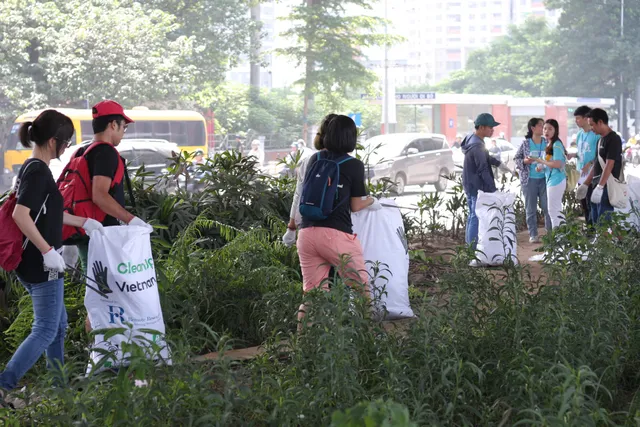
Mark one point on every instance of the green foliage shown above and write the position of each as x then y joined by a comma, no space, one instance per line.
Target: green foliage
378,413
584,55
510,65
487,347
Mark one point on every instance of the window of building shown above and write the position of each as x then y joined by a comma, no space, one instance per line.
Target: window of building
453,65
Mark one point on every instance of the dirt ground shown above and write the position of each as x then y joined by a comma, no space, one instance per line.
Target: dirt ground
439,247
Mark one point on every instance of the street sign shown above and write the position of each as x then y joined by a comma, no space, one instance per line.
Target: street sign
357,118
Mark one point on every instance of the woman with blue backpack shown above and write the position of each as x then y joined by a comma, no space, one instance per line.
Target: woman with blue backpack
334,186
295,219
39,215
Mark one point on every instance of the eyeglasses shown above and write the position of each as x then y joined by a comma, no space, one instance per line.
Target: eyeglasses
125,128
68,143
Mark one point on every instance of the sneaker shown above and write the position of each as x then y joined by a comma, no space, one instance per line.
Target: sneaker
534,239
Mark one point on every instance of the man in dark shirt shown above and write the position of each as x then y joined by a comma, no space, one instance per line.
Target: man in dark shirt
109,125
610,152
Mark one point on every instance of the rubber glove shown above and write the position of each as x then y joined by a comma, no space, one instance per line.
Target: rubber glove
376,206
581,192
596,196
289,237
504,168
92,225
53,261
140,223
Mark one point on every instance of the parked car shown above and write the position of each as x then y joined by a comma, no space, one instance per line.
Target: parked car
154,154
409,159
507,154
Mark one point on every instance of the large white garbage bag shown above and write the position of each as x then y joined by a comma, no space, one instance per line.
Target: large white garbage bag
497,239
384,241
122,262
632,211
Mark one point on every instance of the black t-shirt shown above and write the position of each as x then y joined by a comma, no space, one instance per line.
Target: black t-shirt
610,149
353,185
103,161
35,184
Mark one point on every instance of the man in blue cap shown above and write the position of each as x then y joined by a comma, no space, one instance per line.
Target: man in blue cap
477,173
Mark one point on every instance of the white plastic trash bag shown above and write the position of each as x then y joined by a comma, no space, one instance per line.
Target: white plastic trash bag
70,255
497,239
384,242
121,262
632,211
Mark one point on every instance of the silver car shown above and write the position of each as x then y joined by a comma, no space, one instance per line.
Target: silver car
409,159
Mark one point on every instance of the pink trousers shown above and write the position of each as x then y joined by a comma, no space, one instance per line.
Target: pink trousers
321,248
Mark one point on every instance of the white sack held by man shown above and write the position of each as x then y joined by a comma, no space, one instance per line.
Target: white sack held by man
497,239
384,245
632,210
121,263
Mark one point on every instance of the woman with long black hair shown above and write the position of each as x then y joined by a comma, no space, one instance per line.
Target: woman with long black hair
39,215
556,178
532,180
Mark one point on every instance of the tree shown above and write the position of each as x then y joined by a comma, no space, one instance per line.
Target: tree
515,64
593,55
328,43
220,31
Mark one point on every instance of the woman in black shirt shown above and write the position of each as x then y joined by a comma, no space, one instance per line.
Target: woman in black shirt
322,244
39,215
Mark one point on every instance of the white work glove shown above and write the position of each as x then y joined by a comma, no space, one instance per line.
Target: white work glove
596,196
140,223
504,168
53,261
289,237
375,206
581,192
92,225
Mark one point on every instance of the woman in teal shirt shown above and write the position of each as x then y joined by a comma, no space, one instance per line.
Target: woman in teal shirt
553,165
533,182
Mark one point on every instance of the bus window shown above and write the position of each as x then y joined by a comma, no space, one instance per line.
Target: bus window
13,142
86,130
183,133
195,134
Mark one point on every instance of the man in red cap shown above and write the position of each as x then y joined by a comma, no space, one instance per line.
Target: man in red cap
109,125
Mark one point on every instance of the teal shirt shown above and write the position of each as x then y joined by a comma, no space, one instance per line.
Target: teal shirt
587,146
556,176
536,150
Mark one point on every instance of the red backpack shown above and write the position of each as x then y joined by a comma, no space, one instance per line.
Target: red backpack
76,188
12,241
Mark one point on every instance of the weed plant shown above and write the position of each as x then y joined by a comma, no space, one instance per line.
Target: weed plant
489,347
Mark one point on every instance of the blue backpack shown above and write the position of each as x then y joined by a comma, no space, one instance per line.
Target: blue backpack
320,188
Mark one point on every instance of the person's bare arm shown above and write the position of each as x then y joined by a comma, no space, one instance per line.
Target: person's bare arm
360,203
589,178
72,220
21,216
109,205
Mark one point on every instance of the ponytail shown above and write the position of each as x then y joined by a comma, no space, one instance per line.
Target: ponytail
532,123
25,134
49,124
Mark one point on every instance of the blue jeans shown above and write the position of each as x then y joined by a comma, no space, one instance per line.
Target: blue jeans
534,191
471,234
602,211
47,332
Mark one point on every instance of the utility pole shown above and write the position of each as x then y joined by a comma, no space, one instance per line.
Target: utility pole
254,60
386,71
622,111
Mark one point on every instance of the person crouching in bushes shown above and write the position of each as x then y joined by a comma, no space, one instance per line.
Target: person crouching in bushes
553,164
326,243
39,215
294,217
532,180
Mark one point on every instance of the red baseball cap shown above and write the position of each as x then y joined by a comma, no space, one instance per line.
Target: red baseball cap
109,108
